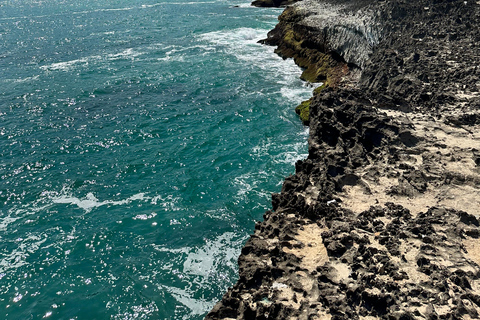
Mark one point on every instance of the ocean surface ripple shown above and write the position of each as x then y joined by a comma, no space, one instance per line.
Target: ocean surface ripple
139,143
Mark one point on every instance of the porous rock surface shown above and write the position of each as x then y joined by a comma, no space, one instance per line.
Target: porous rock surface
381,221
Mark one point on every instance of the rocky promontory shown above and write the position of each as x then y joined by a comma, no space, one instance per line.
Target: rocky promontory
381,221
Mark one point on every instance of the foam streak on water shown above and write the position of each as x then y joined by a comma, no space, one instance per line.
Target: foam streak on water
139,144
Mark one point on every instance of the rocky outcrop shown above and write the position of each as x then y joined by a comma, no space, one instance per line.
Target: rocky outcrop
330,40
381,220
324,37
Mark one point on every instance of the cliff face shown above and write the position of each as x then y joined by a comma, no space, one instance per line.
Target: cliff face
346,31
381,220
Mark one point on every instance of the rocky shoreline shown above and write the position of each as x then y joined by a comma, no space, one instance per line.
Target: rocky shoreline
381,220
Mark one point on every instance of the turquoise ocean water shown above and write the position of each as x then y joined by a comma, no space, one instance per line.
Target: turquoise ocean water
139,143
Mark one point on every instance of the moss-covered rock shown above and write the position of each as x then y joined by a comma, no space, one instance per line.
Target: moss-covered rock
303,110
319,89
331,48
293,40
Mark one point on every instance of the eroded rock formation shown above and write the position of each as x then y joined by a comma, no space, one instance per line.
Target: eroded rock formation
381,220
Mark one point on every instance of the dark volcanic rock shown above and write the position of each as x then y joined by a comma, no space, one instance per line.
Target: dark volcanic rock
272,3
381,220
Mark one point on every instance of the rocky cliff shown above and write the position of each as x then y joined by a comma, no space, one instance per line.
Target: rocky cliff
381,221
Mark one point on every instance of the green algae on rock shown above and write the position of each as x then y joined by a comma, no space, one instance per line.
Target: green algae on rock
292,41
319,89
303,110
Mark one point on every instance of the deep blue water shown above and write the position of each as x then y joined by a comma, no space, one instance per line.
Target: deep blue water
139,143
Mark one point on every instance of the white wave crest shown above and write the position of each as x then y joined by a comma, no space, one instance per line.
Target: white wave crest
17,257
251,185
202,268
66,65
230,38
296,94
129,53
138,312
205,260
242,43
90,201
27,79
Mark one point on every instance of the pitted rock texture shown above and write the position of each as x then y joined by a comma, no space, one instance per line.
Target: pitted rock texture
381,221
382,264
